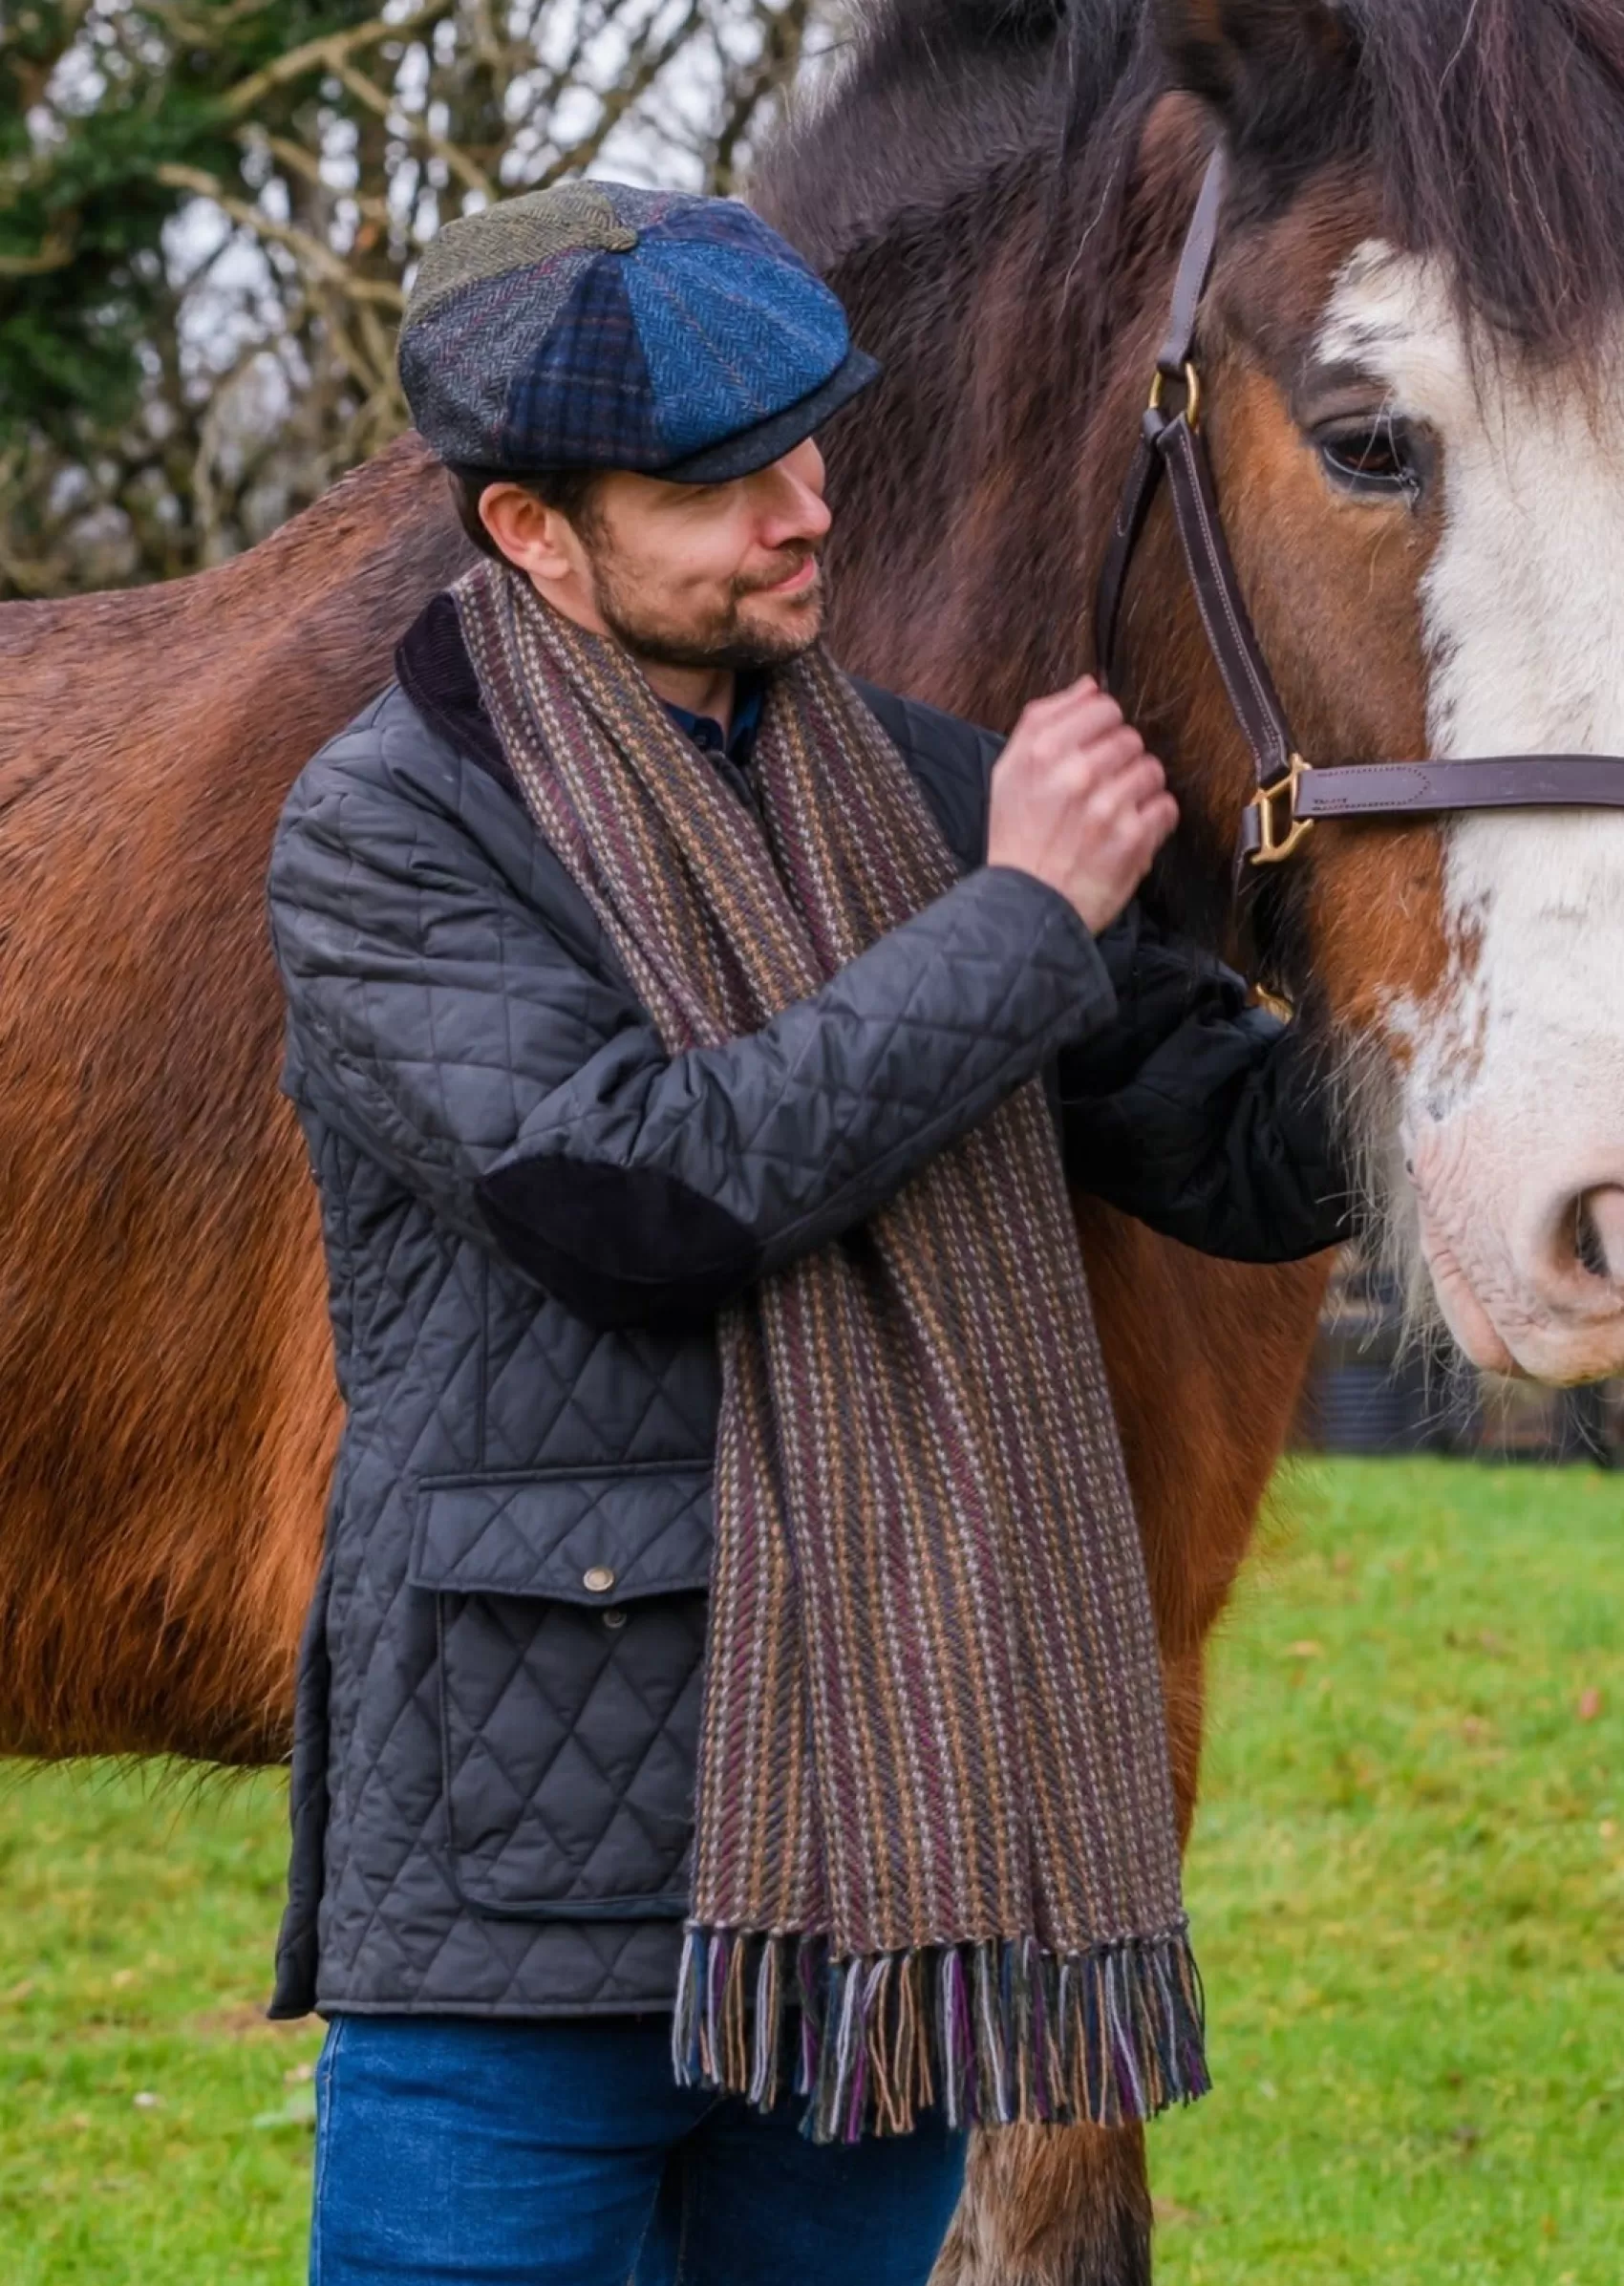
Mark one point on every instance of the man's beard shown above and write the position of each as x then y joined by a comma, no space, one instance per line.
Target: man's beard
727,642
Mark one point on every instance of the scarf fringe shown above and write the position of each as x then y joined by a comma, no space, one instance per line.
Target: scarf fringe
994,2033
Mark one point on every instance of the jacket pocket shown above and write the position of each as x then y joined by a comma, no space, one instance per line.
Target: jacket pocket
572,1637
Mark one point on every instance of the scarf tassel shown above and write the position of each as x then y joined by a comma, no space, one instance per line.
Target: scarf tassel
993,2033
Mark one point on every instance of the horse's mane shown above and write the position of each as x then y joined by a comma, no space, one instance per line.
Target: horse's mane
932,96
1494,129
943,114
963,179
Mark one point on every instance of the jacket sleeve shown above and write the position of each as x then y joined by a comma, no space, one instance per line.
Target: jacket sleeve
439,1020
1201,1115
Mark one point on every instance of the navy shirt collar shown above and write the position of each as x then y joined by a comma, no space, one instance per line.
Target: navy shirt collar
738,742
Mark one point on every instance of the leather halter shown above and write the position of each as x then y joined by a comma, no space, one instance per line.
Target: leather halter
1291,795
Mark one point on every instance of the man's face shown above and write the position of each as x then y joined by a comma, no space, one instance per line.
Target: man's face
710,575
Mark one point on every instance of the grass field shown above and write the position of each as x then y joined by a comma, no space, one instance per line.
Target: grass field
1407,1888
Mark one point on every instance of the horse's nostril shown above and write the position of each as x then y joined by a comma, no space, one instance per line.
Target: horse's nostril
1599,1232
1587,1240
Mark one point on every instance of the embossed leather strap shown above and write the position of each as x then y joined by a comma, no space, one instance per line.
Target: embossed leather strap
1424,789
1145,474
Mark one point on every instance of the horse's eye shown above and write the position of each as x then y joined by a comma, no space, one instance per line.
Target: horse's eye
1379,457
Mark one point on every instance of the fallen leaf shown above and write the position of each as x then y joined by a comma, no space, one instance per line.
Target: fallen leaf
298,2076
299,2111
146,2101
1169,2214
1590,1705
1305,1651
247,2020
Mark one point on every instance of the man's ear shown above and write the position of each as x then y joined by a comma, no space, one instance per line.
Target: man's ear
532,536
1264,66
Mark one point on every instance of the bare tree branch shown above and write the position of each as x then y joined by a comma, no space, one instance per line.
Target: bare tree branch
415,130
328,52
321,261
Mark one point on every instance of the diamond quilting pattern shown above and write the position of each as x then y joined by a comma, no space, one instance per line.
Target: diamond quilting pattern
563,1739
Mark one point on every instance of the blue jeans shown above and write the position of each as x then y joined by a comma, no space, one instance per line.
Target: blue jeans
451,2149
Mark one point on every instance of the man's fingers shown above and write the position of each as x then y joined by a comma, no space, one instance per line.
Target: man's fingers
1135,832
1082,711
1077,694
1056,703
1077,743
1155,818
1160,819
1118,780
1140,783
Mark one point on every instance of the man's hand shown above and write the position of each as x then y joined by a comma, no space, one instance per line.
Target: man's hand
1078,801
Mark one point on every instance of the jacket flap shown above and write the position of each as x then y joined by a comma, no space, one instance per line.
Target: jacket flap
577,1538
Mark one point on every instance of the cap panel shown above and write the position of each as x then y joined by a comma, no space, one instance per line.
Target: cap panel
740,455
458,363
730,336
689,220
587,399
515,235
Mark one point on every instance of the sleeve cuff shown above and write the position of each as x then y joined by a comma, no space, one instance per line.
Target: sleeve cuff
1065,942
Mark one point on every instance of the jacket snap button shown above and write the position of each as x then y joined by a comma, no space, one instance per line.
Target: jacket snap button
614,1618
599,1580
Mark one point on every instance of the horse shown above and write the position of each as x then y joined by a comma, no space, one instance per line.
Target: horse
1400,358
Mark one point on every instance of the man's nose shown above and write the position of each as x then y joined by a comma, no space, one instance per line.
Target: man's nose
803,514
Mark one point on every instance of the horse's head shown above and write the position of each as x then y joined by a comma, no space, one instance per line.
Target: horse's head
1410,351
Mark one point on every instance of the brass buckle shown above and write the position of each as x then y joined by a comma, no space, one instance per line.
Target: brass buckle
1280,837
1192,393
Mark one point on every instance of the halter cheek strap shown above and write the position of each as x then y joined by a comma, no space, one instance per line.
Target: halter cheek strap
1291,795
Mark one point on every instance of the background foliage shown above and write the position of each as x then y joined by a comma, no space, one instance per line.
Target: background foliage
1408,1887
210,210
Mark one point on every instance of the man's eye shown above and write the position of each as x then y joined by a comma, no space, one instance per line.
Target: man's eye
1379,457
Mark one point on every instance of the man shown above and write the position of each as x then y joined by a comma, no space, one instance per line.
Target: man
684,1040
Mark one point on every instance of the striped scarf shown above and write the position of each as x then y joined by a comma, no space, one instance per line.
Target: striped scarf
935,1858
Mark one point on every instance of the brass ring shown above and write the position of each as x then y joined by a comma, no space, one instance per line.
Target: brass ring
1192,393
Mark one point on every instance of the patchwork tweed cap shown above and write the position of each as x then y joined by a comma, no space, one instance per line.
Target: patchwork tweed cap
601,326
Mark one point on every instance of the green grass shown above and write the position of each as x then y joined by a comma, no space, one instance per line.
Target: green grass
1408,1892
135,1934
1408,1887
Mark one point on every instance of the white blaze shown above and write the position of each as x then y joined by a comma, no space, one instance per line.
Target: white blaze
1512,1108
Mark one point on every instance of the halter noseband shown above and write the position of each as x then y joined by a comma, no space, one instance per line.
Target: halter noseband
1291,794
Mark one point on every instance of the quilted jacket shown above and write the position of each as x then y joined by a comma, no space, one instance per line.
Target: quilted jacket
531,1216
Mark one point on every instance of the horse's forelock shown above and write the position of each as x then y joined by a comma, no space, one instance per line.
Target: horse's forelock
1497,132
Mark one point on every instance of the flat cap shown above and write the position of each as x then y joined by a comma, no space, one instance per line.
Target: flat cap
602,326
